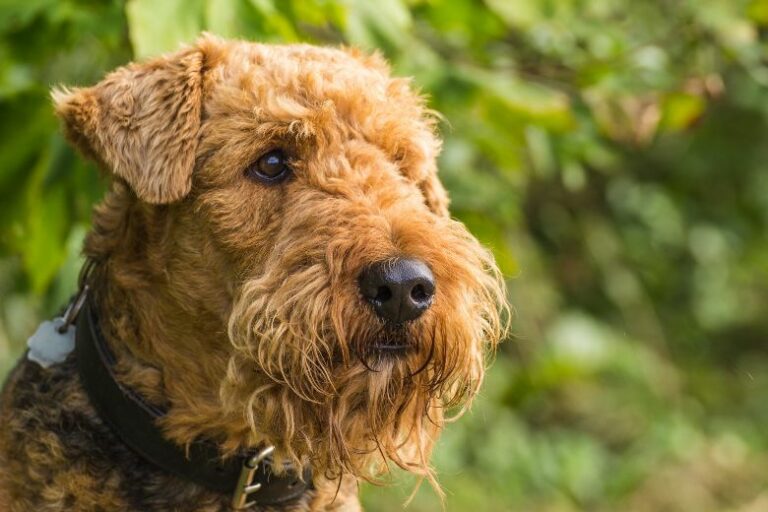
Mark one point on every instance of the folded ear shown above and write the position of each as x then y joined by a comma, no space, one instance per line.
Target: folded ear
141,123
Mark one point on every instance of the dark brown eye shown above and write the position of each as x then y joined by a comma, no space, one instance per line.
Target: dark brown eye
271,167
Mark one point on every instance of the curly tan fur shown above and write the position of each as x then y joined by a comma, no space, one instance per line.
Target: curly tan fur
235,304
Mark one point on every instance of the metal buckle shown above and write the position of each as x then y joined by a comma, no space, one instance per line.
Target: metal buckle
244,486
70,315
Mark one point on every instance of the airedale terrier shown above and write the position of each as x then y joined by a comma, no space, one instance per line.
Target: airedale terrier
276,303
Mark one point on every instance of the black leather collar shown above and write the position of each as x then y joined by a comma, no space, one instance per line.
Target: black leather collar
247,477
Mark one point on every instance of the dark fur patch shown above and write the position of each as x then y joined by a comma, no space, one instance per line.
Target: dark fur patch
60,456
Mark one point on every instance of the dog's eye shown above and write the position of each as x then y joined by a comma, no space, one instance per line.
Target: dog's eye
271,167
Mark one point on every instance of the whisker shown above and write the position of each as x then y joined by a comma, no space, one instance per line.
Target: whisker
429,357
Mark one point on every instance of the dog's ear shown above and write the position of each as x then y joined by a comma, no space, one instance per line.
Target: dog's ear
141,123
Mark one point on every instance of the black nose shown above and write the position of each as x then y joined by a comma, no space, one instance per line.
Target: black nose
399,290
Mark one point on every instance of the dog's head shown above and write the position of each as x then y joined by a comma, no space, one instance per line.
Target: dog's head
298,200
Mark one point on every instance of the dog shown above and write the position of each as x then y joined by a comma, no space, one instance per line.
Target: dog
275,293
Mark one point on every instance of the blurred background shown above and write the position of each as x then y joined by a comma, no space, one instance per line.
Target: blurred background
613,153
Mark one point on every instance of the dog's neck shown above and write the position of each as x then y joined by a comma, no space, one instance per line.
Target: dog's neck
171,344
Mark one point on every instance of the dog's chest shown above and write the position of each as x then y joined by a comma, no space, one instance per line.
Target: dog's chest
56,454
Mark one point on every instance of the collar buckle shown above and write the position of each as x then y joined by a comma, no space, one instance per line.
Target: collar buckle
245,487
73,310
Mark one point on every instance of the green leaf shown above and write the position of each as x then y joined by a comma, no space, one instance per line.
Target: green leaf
535,102
681,110
159,27
222,17
15,14
371,24
41,242
274,20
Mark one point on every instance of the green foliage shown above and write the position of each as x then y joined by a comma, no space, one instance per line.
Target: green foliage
612,154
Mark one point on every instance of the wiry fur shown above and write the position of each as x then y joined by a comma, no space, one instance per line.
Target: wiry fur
236,304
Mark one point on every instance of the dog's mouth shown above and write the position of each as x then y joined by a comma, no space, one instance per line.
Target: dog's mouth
391,340
386,342
393,349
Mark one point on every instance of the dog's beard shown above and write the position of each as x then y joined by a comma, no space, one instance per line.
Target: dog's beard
312,382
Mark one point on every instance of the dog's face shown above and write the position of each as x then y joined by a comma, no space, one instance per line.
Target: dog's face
302,200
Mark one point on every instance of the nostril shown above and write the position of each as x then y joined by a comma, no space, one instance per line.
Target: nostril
383,294
419,294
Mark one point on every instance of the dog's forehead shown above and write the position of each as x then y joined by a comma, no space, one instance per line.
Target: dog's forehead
316,73
321,88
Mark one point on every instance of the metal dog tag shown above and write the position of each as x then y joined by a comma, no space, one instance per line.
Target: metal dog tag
50,346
